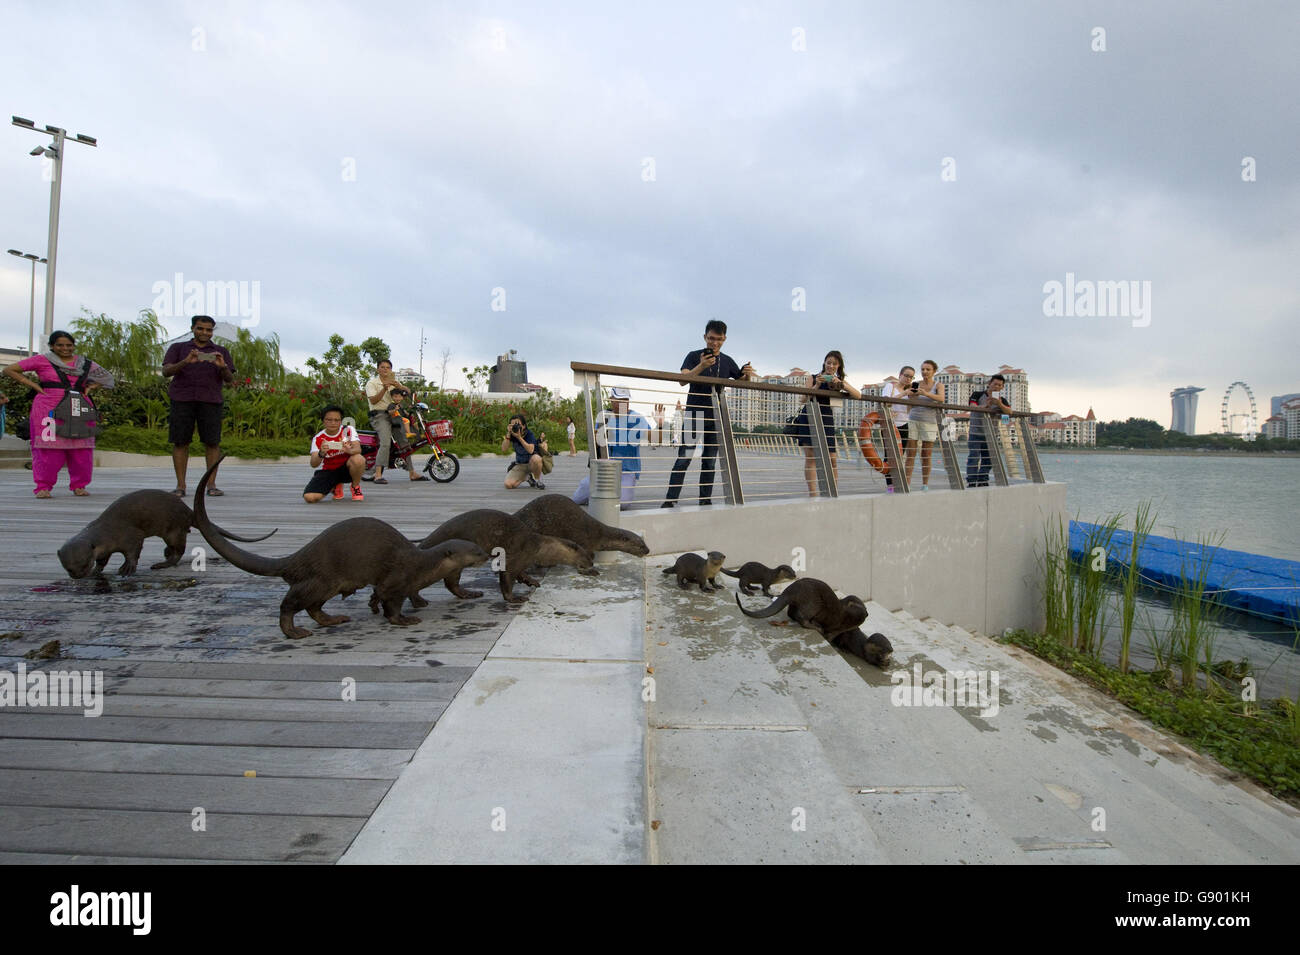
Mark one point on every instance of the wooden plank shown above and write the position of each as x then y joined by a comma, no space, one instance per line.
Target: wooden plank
313,710
214,732
280,761
76,858
279,690
118,832
282,672
216,794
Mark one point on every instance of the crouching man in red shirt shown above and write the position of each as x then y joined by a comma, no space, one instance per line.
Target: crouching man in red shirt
336,452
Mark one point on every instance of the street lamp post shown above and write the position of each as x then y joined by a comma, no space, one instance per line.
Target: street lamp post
31,312
53,151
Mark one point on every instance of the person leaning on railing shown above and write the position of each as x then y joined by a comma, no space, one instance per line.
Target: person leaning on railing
923,423
899,415
708,362
831,379
978,462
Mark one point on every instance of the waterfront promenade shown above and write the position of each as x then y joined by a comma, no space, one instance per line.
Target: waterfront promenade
532,735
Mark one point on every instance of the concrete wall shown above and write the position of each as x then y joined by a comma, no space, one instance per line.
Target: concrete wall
965,558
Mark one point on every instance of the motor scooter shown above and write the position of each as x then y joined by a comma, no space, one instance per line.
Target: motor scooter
442,466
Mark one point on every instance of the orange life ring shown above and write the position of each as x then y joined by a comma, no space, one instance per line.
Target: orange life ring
865,445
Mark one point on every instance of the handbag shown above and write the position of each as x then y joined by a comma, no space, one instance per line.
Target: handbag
75,416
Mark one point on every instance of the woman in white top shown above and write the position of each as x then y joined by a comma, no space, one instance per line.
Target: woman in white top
573,431
923,422
900,389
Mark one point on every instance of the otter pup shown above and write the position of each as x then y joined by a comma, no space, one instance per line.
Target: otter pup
349,555
874,649
812,603
692,568
506,537
122,529
755,574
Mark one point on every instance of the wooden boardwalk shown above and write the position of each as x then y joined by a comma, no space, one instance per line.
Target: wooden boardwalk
220,740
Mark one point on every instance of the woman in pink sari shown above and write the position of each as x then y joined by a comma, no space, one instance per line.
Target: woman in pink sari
49,451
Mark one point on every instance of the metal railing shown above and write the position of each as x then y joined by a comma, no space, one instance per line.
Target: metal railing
757,440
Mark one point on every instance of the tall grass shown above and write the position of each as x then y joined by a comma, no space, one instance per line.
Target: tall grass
1074,591
1194,615
1143,522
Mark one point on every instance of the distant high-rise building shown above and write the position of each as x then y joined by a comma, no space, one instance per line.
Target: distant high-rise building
1277,401
1184,401
508,374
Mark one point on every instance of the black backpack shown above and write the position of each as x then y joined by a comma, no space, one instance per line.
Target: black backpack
75,416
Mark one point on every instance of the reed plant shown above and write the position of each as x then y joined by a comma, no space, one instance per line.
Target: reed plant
1194,612
1143,521
1092,588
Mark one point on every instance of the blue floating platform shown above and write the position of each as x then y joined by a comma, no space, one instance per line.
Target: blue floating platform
1248,583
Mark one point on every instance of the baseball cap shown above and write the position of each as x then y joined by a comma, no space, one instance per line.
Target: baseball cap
620,394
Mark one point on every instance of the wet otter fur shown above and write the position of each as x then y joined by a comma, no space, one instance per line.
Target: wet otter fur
875,649
122,529
755,574
521,546
694,569
347,556
812,603
558,516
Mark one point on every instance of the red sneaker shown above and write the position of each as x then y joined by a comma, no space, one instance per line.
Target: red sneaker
356,492
338,492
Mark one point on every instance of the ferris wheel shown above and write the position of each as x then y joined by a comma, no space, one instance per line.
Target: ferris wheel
1249,426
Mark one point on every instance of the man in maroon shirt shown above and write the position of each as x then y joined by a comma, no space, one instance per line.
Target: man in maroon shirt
198,370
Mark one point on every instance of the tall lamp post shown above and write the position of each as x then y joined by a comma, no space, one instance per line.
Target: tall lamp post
53,151
31,313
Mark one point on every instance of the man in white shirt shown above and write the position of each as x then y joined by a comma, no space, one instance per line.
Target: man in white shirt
900,389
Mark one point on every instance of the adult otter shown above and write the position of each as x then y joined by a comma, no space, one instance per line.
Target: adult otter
812,603
349,555
506,537
692,568
558,516
122,529
754,573
874,649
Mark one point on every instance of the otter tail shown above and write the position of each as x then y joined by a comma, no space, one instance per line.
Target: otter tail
244,560
730,573
247,540
776,606
670,570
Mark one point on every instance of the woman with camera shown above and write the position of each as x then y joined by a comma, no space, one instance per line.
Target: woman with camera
831,378
923,422
527,465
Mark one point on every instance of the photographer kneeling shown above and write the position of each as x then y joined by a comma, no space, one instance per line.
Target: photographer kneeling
528,460
336,451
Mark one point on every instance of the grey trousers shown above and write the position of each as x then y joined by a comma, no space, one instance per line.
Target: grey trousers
389,430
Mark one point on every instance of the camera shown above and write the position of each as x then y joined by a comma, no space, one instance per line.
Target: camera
916,386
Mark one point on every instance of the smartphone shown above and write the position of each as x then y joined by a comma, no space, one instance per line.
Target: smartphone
207,356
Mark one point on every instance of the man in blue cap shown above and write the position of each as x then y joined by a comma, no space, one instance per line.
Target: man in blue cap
619,437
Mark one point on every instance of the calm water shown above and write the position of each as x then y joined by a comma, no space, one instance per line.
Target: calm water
1252,501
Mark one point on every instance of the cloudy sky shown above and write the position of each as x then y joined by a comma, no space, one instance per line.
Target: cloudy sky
615,174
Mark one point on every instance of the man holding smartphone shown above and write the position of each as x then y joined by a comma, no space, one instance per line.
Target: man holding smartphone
978,461
699,423
198,369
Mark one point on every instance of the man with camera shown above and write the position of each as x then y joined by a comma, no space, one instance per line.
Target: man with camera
528,458
383,393
198,369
